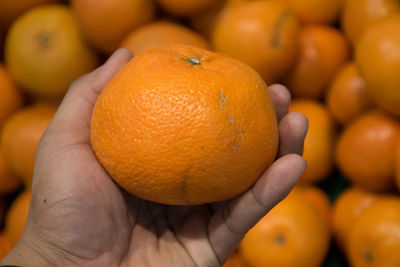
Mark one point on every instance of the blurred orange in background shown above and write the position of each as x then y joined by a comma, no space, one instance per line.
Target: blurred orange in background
366,151
316,11
318,199
323,51
375,236
44,51
319,142
348,207
358,14
204,22
291,234
16,218
9,182
11,9
378,58
20,137
10,97
263,34
105,23
187,8
347,96
4,247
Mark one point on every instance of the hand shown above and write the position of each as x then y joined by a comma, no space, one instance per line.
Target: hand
80,217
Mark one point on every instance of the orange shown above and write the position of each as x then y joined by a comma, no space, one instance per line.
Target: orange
323,51
161,33
319,142
44,51
291,234
10,10
187,8
263,34
106,22
16,218
347,209
20,136
10,97
4,247
366,149
318,199
375,238
8,181
316,11
182,125
347,96
378,57
359,14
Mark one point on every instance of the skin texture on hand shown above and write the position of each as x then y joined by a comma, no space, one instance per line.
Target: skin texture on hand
80,217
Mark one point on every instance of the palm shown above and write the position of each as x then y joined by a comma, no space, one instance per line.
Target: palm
110,225
78,211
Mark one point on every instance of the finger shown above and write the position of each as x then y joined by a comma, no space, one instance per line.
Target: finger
281,98
76,108
292,131
228,226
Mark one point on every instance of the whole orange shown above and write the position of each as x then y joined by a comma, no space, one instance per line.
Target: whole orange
161,33
347,96
291,234
8,181
182,125
378,58
10,10
316,11
44,51
318,199
366,151
375,238
263,34
319,142
347,208
16,218
323,51
187,8
106,22
20,136
359,14
10,97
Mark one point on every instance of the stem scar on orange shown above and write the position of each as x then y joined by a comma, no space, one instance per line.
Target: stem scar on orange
182,125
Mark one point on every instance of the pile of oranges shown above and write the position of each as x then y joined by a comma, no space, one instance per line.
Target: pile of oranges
340,59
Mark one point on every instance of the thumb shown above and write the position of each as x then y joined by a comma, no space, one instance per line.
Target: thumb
73,116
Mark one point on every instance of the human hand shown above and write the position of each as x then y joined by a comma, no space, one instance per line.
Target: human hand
80,217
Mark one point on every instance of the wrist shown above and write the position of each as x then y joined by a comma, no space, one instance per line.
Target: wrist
30,252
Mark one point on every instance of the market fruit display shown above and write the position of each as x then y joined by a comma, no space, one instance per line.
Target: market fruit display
189,119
